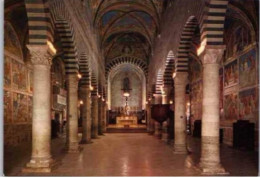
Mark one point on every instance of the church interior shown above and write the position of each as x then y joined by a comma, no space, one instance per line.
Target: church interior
131,87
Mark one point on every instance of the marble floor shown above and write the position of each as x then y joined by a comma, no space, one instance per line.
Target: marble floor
132,154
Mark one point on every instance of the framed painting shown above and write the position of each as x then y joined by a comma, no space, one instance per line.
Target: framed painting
247,69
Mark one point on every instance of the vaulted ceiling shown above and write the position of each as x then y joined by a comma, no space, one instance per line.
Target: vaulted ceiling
126,27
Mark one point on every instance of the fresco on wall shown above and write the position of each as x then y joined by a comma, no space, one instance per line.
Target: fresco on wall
221,88
30,81
30,107
7,72
248,104
242,39
7,107
195,69
196,100
247,69
19,107
11,41
231,74
19,76
231,106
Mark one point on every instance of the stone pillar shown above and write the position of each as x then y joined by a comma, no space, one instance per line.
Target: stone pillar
41,160
148,117
86,116
210,155
157,125
104,119
166,100
100,116
72,144
94,112
180,143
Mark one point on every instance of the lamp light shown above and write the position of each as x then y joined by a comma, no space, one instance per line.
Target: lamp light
81,102
126,94
171,102
79,76
174,75
51,47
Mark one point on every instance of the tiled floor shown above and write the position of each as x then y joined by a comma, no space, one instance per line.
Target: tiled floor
134,154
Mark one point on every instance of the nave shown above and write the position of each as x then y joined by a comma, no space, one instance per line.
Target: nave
134,154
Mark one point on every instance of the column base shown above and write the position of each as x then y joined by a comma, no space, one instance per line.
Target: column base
212,170
165,137
40,166
94,137
85,142
73,149
180,149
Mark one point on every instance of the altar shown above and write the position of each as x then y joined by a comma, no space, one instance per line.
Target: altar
126,120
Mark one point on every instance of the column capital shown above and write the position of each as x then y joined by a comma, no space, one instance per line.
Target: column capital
181,78
212,54
40,55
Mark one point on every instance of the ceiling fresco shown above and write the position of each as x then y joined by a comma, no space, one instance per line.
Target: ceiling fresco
126,27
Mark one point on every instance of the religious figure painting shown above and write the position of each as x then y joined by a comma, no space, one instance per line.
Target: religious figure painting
19,76
231,106
248,104
247,69
7,107
231,74
20,112
7,72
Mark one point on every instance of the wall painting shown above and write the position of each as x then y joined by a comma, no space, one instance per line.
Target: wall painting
30,80
30,108
20,107
247,69
231,106
248,104
7,107
196,100
7,72
19,76
231,74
